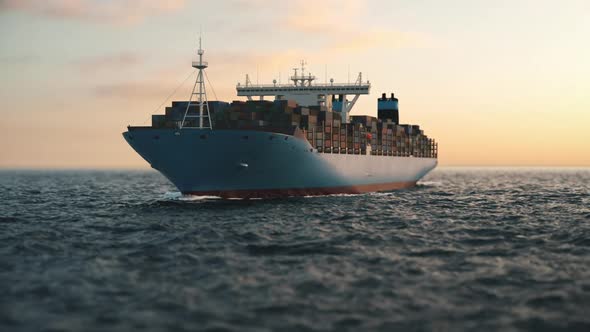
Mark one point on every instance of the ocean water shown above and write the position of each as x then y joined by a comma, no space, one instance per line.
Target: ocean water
466,250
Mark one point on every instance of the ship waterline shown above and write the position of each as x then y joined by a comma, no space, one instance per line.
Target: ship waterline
291,192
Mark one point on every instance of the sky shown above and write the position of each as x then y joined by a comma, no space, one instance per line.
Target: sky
496,83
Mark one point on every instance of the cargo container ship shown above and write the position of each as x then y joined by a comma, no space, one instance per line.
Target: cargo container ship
302,142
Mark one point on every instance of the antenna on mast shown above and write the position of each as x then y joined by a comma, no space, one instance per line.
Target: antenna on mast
302,67
348,74
201,93
294,78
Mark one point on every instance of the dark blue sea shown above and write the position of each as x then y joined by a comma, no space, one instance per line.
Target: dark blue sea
504,249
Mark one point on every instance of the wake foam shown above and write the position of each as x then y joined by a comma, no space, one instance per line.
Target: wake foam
178,196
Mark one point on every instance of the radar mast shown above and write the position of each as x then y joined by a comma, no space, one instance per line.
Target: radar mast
200,93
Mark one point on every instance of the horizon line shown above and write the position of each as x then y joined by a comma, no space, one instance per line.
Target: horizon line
140,168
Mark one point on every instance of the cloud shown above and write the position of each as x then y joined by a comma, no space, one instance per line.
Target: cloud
227,68
385,39
154,85
18,59
244,59
108,62
338,23
101,11
131,90
330,18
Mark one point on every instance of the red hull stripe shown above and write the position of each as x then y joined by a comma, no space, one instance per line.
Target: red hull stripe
271,193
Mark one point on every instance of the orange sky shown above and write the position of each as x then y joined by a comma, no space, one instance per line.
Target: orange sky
502,83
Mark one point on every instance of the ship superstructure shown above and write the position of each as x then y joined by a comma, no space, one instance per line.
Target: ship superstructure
301,142
306,92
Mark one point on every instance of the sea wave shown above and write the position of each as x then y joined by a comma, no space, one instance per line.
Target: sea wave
482,249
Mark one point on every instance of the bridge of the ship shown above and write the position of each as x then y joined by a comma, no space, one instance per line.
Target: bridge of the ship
281,89
306,92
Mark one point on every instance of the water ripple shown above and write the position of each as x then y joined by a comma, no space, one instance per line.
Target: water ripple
467,249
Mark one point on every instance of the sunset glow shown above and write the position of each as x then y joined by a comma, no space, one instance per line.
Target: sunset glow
496,83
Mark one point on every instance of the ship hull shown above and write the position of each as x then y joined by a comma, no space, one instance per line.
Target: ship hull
251,164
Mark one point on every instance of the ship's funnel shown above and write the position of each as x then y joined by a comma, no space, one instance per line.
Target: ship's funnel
388,109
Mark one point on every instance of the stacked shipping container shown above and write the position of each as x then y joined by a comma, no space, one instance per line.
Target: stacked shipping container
324,129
